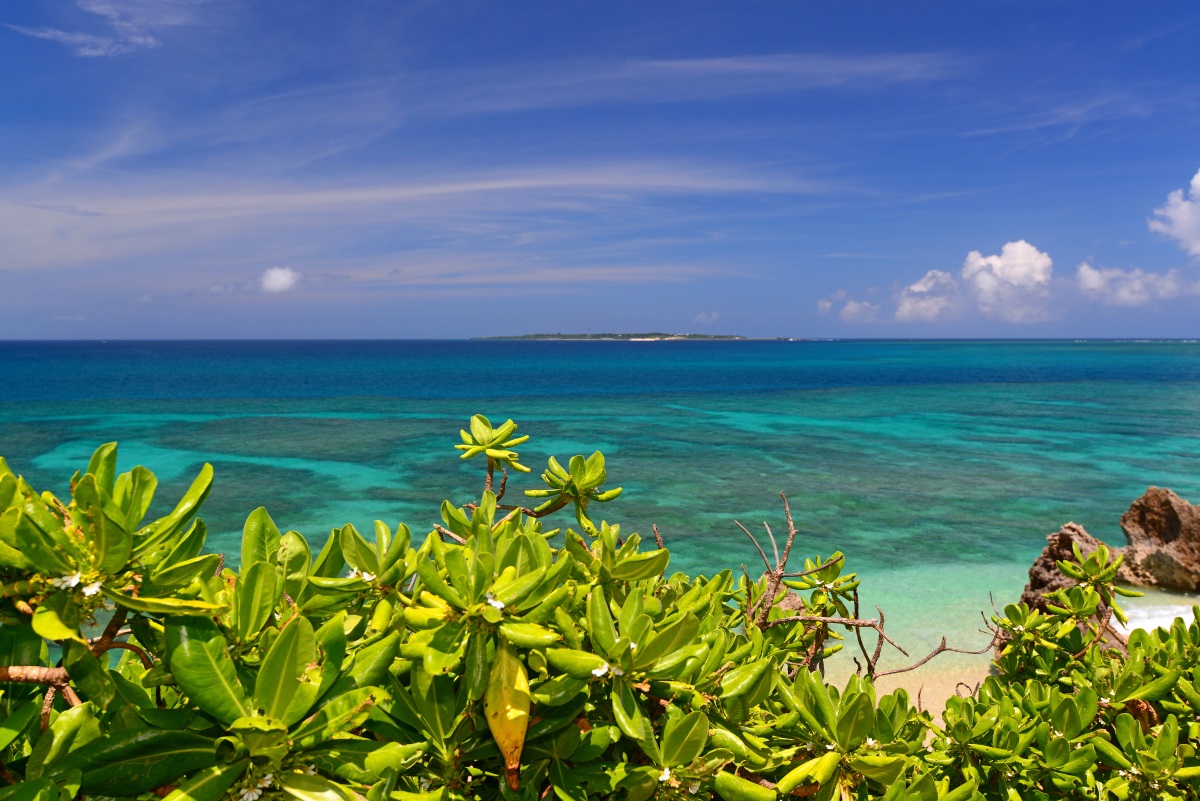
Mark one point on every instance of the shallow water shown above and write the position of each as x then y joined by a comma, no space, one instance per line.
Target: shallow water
937,467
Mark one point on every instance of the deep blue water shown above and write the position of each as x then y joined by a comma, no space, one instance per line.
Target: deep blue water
938,467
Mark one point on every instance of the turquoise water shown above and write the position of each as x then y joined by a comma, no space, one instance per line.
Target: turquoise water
938,467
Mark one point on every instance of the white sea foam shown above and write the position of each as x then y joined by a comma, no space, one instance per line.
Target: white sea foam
1155,615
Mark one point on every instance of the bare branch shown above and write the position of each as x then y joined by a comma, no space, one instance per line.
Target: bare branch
941,649
761,552
503,483
791,538
445,532
816,569
658,537
878,643
774,545
848,622
861,646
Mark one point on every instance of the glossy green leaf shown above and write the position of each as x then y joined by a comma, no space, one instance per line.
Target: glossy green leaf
133,761
162,606
15,724
294,558
31,790
283,667
260,539
58,619
110,543
255,598
210,784
74,729
89,677
684,738
643,566
627,712
345,712
198,657
313,788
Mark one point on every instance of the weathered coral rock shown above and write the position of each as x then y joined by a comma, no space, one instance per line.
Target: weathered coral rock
1163,531
1044,575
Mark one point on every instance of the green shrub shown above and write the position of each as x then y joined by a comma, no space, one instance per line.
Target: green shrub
498,658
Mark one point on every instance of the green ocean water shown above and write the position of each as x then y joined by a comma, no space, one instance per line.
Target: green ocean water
938,468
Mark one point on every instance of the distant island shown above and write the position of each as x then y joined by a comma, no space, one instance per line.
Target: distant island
647,337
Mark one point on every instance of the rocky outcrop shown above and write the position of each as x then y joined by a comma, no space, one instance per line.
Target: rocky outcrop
1044,575
1163,535
1163,531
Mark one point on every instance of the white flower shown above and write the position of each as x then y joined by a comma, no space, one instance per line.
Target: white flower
665,775
250,794
368,576
493,602
694,788
870,743
91,589
353,573
617,671
600,671
311,770
265,781
66,582
425,784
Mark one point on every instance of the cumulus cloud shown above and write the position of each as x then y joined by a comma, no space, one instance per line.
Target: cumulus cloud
859,312
1012,285
279,279
1135,287
851,311
1179,217
936,293
706,318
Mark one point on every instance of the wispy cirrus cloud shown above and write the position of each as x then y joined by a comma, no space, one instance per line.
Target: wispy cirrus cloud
676,80
126,26
541,225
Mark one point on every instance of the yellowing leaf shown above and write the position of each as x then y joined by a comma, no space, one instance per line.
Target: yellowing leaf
506,705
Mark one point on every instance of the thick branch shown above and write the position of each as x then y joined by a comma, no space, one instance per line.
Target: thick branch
110,631
28,674
147,662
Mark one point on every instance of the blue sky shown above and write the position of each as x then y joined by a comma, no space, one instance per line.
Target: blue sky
238,168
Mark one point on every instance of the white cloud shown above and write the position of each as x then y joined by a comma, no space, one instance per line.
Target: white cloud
1179,218
707,318
824,306
859,312
279,279
1013,285
936,293
1135,287
130,26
